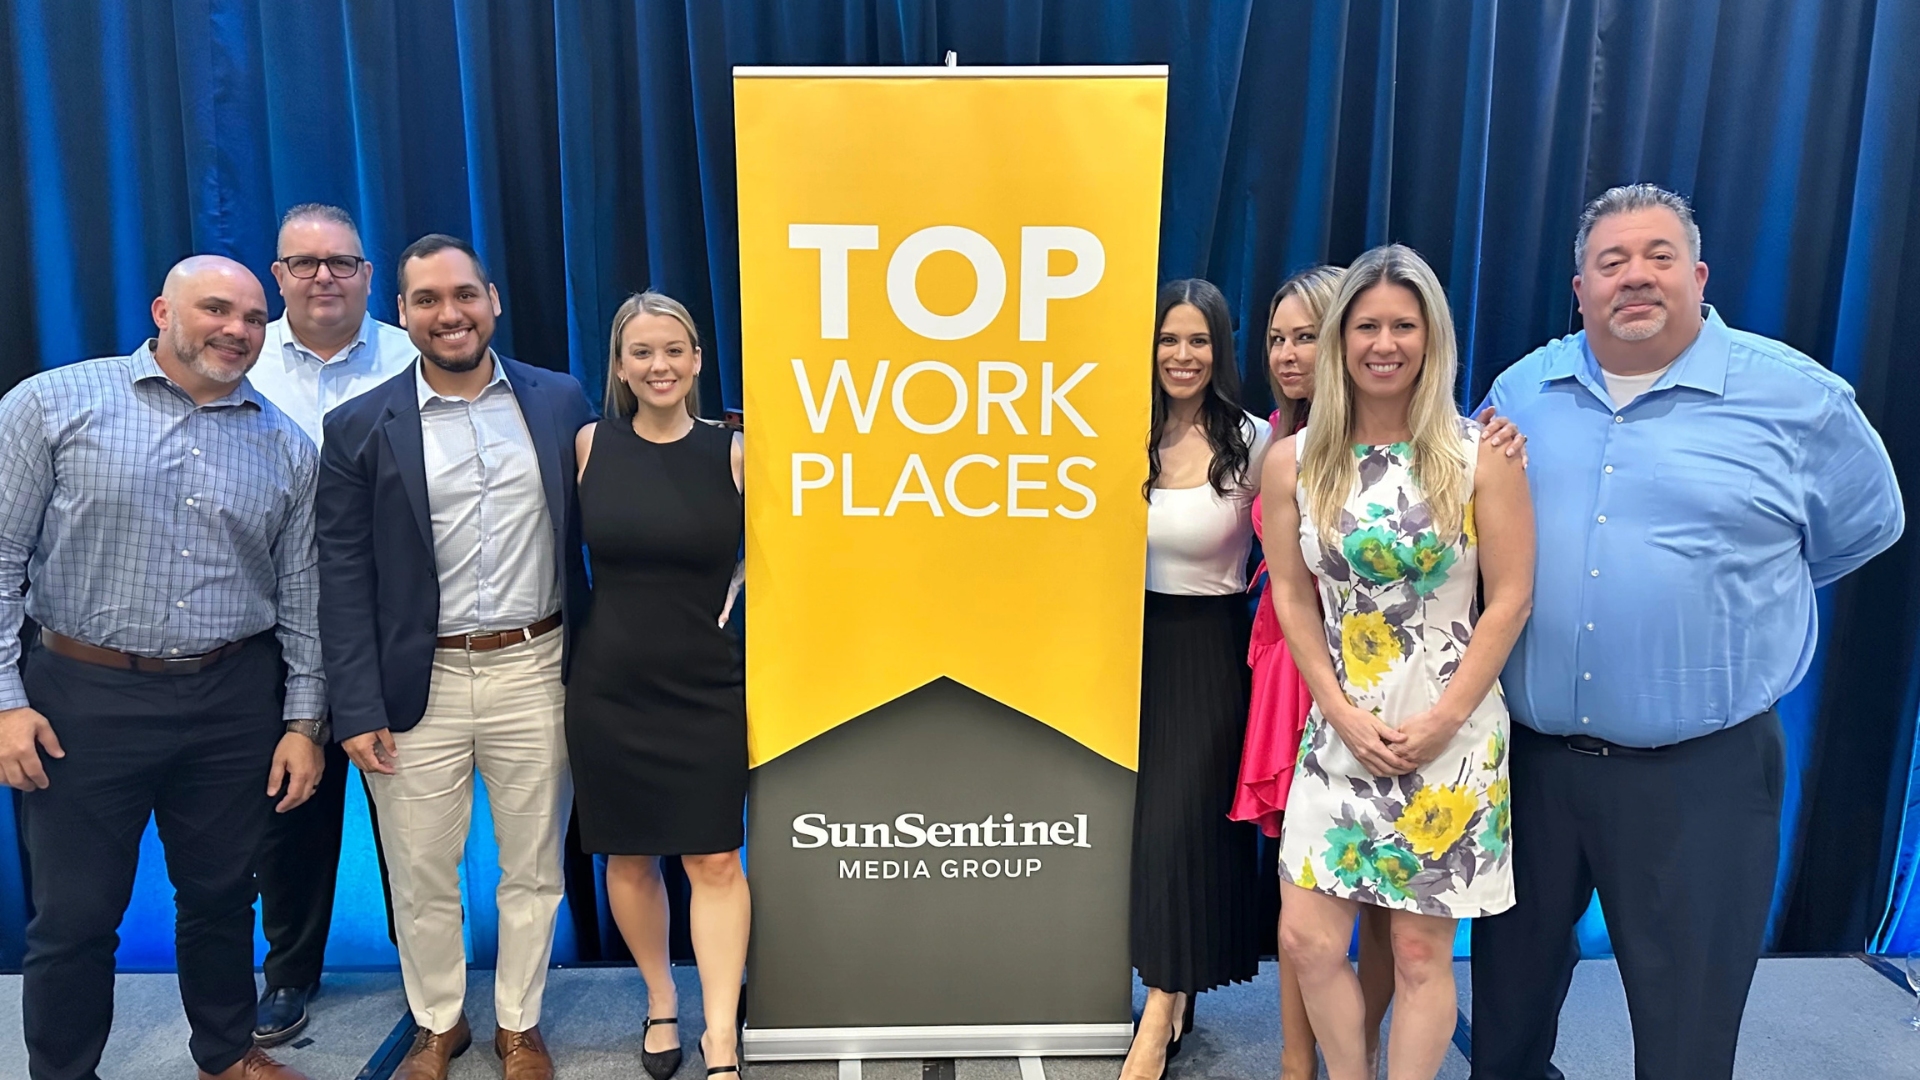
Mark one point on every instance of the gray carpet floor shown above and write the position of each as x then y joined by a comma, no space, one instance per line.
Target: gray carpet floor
1805,1018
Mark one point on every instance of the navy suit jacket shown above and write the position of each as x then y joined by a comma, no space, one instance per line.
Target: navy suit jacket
379,585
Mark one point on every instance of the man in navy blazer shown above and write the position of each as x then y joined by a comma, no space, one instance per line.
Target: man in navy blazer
450,574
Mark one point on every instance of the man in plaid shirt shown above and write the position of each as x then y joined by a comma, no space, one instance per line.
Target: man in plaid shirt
163,511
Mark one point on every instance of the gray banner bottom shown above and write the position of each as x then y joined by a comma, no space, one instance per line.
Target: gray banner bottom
940,876
969,1040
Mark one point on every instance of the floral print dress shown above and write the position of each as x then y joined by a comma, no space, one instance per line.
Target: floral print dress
1400,603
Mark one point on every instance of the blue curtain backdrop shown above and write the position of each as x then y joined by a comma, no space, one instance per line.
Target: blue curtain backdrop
587,148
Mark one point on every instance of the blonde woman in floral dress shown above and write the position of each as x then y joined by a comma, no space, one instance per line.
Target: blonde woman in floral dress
1399,799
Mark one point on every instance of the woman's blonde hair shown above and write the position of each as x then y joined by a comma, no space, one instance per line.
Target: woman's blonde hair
619,399
1329,471
1316,286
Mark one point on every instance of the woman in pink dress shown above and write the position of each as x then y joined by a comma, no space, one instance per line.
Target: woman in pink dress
1280,700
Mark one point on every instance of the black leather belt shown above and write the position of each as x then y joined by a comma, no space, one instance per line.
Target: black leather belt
1587,744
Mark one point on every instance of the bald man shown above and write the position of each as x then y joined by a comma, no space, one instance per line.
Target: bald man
164,512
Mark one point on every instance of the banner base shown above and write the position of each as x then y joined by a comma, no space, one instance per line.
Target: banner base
944,1041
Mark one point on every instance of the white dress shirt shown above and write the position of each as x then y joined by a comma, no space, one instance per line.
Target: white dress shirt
306,387
1198,540
492,538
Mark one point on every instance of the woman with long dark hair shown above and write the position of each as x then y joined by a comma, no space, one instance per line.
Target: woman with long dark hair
1194,893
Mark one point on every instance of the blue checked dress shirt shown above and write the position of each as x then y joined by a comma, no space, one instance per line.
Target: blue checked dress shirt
1680,538
155,526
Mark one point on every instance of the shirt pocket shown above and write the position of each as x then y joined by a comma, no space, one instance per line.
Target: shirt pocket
1697,510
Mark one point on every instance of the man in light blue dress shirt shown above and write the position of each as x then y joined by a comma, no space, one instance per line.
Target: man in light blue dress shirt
1693,485
325,350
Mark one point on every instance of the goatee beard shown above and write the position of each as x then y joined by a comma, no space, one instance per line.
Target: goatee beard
1639,331
195,359
456,366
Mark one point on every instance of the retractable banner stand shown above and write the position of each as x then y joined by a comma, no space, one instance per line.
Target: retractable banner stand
947,284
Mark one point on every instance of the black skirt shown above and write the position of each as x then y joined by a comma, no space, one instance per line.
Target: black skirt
1195,879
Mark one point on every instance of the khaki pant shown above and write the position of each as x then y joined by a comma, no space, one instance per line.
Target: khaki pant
501,712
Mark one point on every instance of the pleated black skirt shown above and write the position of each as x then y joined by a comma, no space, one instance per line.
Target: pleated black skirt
1195,879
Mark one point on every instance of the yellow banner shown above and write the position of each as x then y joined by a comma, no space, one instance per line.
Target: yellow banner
947,286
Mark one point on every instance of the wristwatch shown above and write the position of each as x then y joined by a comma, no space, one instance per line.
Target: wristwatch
318,730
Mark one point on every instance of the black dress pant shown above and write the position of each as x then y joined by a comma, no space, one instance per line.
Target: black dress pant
297,867
1682,844
191,751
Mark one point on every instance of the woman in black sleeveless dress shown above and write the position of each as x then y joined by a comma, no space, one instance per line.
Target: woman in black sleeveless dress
656,706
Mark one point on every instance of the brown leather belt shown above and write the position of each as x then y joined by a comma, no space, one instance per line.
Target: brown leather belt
75,649
489,640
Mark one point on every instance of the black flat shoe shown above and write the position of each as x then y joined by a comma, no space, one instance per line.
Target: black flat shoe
719,1070
664,1064
281,1014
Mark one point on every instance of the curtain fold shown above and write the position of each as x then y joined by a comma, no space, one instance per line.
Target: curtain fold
586,147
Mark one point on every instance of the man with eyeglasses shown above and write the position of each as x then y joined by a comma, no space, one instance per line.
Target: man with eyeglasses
326,349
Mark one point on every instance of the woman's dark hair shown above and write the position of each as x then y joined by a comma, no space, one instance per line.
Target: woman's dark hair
1220,412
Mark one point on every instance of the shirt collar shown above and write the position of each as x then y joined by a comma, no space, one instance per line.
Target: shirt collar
280,335
1702,365
427,394
142,367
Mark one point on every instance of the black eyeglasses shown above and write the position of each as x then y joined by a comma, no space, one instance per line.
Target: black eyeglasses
306,266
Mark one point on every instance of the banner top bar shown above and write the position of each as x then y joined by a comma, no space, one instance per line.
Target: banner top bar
1032,71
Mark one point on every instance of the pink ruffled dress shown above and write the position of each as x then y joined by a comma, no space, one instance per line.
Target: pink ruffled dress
1278,713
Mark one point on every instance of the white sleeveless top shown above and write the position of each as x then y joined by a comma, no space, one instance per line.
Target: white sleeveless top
1197,539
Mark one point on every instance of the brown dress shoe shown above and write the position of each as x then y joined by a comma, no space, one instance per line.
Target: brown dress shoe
427,1058
255,1066
523,1054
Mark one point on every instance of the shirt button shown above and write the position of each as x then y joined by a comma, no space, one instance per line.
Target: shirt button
184,553
1602,519
1595,573
196,453
1619,419
189,502
175,652
179,603
1587,675
1584,720
1589,626
1609,468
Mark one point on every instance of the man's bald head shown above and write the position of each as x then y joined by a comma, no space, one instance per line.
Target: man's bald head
200,272
212,316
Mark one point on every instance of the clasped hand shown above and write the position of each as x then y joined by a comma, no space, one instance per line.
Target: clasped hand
1388,751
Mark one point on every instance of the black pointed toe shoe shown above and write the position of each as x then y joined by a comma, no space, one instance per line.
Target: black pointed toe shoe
664,1064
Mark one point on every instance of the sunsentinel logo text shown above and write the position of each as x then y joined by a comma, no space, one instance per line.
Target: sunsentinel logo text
912,831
